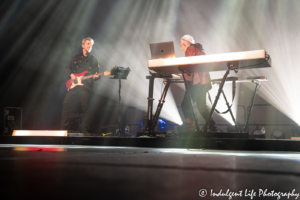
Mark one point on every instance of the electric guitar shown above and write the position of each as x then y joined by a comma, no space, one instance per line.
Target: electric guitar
79,77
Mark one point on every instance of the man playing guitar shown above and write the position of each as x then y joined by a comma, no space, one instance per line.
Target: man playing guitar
80,64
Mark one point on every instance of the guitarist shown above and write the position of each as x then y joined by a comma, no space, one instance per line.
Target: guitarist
80,95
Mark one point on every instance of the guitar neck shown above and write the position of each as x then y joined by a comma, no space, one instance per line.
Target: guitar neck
91,76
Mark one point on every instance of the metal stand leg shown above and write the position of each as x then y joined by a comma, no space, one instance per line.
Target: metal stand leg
190,97
236,126
204,128
119,117
251,106
150,103
159,106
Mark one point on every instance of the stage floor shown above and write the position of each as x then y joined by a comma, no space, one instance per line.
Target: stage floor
241,144
106,172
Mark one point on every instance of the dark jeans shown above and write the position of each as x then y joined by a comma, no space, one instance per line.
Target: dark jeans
198,93
76,100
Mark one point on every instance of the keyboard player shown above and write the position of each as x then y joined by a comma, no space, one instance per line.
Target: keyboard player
199,84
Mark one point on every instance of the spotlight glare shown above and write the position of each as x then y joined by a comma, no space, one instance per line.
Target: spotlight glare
135,37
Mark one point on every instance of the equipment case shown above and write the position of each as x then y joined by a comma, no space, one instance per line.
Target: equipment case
12,119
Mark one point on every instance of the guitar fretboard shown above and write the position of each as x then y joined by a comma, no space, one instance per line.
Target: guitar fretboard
90,76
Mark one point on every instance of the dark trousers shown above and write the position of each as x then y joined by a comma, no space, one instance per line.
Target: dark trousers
198,93
76,100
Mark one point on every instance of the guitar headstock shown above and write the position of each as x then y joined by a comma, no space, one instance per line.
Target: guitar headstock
107,73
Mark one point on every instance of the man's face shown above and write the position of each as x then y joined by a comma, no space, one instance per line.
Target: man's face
184,45
87,46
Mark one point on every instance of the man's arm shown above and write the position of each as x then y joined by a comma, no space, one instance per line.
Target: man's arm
96,69
68,70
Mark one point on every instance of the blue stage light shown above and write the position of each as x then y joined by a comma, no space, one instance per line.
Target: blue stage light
162,123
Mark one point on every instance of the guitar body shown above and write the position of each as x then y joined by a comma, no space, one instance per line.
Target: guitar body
79,77
77,82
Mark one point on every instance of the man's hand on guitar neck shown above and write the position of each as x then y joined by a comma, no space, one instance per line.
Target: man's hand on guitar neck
96,77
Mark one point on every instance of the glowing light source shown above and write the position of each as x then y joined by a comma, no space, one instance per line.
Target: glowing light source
20,148
162,123
39,133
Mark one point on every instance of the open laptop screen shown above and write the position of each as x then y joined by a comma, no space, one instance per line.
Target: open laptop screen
162,50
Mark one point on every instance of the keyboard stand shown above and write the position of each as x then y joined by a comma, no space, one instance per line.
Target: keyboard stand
246,128
230,66
217,82
152,121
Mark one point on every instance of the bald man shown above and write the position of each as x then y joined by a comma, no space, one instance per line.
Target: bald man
199,84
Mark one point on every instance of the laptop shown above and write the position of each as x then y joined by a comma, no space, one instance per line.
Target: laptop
162,50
